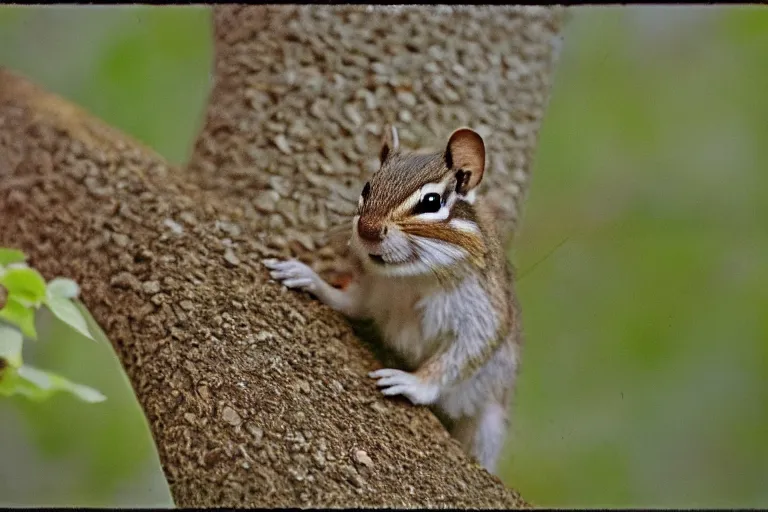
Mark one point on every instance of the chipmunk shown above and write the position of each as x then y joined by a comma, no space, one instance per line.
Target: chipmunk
431,273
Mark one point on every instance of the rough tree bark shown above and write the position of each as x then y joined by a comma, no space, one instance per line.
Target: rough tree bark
256,395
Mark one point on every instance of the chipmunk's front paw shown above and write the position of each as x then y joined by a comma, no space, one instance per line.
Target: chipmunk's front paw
293,274
398,382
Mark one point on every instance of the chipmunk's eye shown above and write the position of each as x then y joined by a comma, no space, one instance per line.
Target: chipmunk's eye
366,191
430,203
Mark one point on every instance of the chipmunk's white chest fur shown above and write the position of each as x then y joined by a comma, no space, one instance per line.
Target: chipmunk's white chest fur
414,318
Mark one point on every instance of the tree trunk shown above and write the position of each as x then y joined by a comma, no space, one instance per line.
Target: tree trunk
256,395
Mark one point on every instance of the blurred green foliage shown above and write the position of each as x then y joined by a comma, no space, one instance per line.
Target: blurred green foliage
145,70
645,374
24,291
65,452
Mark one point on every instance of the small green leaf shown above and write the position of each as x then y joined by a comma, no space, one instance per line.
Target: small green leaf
66,311
63,287
21,316
12,384
24,283
8,256
38,385
50,382
10,346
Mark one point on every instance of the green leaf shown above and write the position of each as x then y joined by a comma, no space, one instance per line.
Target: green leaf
66,311
12,384
8,256
50,383
38,385
63,287
24,283
21,316
10,347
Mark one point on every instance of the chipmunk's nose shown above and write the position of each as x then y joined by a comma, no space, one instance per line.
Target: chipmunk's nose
373,232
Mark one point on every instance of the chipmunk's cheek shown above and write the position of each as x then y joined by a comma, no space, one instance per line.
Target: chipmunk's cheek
396,249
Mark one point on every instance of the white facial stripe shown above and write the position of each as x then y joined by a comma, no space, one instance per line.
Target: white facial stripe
440,214
410,203
464,225
470,197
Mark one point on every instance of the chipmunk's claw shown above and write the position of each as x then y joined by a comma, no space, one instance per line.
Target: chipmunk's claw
292,273
398,382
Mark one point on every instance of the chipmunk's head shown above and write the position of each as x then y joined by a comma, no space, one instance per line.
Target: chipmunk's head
416,213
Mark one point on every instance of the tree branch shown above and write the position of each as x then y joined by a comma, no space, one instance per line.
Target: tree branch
256,396
301,94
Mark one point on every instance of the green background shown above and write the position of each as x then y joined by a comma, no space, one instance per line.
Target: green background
642,256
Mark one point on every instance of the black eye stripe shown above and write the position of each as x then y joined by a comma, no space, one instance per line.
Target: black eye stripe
366,191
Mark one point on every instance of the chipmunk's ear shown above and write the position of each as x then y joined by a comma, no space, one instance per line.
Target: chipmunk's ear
390,142
465,155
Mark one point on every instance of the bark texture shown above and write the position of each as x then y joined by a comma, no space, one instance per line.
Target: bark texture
258,396
301,94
